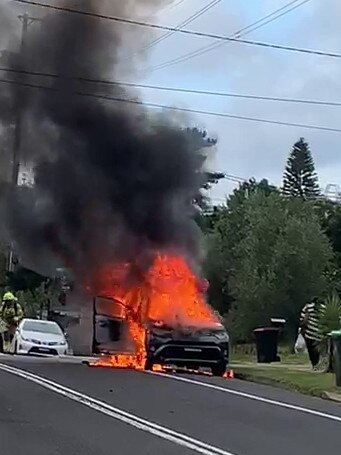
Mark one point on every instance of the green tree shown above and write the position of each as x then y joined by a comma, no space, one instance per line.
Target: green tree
249,187
330,317
33,301
328,321
203,145
230,221
24,279
217,271
302,259
224,229
329,214
33,290
274,256
300,178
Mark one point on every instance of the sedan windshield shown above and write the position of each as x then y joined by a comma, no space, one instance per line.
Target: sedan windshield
42,327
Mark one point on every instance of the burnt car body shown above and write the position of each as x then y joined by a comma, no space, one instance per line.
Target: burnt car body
190,347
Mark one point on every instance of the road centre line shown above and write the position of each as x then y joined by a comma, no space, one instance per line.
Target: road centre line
118,414
252,397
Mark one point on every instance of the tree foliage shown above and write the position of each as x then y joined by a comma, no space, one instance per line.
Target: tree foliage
273,256
300,178
330,318
24,279
203,146
34,300
224,229
217,272
329,214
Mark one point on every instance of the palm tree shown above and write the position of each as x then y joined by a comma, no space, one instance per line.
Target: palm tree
329,320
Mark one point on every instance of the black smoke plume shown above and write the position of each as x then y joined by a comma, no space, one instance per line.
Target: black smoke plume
113,181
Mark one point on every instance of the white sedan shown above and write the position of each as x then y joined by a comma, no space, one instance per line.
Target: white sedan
35,336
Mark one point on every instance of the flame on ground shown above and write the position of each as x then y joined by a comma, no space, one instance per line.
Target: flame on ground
169,292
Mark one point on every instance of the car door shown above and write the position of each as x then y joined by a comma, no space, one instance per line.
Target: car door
109,318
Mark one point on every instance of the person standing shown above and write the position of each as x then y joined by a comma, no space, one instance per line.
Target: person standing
309,328
11,313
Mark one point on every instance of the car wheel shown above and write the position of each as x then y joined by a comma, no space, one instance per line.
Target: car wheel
219,369
148,366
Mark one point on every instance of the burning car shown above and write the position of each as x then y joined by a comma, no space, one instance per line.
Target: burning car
162,319
190,347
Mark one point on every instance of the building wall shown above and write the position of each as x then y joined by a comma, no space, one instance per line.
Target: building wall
76,318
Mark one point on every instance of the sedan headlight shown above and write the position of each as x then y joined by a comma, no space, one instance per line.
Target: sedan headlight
57,343
30,340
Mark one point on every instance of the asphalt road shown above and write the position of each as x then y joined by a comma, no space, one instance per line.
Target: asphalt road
51,407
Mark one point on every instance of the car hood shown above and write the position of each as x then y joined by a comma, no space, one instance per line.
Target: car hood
43,337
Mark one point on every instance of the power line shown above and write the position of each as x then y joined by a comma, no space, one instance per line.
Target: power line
174,5
165,35
269,18
184,31
176,89
242,32
182,24
179,109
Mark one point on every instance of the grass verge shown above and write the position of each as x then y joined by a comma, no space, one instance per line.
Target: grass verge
292,373
307,382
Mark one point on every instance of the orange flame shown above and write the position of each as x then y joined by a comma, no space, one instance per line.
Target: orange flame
169,293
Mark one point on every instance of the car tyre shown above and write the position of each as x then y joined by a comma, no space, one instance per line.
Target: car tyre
148,366
219,369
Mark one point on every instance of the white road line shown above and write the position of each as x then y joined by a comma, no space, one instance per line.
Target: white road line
281,404
118,414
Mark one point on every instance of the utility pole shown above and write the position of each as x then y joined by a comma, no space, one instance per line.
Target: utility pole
26,20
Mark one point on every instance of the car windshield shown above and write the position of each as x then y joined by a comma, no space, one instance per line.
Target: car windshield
42,327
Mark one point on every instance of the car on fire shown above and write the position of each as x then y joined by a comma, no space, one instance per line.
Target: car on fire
34,336
190,347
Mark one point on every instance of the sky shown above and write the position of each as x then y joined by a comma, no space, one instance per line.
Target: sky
248,149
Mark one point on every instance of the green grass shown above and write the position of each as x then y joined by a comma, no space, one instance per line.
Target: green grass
310,383
293,373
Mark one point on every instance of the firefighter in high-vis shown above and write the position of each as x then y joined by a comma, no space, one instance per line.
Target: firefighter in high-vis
11,314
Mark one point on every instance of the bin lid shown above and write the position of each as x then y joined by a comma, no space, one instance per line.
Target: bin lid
266,329
335,333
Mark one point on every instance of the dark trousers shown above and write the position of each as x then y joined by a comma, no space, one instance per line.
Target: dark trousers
313,351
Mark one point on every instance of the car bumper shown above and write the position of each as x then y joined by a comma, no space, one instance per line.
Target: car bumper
26,347
183,354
